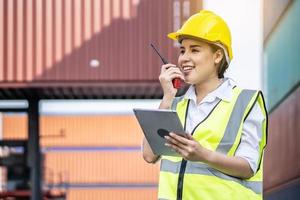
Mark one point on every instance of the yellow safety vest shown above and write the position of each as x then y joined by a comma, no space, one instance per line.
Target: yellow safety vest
220,131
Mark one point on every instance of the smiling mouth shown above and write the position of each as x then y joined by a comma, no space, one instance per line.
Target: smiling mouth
187,69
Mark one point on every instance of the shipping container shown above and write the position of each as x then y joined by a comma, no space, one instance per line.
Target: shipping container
273,10
62,42
90,153
282,163
114,193
282,86
99,167
77,130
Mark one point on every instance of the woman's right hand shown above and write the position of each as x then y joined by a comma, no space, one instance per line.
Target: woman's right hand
167,74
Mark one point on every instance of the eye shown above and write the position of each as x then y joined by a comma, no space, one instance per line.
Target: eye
182,51
195,50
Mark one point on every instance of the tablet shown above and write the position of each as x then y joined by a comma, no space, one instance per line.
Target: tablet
157,123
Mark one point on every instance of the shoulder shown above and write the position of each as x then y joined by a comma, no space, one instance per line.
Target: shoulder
256,109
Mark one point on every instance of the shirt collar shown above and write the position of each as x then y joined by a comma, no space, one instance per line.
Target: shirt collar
224,92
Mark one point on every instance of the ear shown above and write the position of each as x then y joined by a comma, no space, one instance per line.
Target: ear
218,56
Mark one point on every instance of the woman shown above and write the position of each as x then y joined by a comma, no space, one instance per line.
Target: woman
221,157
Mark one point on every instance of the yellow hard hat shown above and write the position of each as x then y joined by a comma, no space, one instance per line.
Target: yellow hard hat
207,26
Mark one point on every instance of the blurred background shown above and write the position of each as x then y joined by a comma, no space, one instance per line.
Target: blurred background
72,70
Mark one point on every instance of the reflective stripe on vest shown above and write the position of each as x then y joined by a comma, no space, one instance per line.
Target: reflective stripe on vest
230,133
204,169
235,120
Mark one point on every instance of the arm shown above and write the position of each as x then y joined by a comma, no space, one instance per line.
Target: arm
148,154
231,165
251,137
168,73
193,151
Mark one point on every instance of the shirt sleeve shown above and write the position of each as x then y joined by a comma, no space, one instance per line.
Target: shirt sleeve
251,137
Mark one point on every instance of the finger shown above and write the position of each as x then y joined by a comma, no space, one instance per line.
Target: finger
172,76
169,78
170,67
169,73
175,142
167,66
178,145
176,148
179,138
173,70
175,75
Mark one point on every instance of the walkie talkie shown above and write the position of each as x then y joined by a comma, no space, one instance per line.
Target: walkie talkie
176,81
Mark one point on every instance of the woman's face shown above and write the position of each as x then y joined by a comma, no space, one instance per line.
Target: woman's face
197,61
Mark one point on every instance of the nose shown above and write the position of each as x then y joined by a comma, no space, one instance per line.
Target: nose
185,57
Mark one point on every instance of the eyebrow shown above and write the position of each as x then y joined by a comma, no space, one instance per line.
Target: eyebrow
192,46
195,46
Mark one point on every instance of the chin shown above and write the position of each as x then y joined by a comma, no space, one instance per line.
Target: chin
195,81
191,81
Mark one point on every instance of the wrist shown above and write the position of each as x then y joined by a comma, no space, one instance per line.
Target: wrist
168,97
166,102
208,156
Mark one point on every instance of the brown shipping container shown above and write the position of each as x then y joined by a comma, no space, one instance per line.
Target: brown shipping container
55,41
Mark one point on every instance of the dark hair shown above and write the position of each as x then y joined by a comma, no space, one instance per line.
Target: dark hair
223,66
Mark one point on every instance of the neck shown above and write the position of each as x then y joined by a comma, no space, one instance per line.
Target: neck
205,87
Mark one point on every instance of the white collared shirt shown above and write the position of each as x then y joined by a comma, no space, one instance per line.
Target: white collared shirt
252,127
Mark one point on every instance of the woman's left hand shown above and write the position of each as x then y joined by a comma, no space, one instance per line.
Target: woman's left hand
191,150
187,147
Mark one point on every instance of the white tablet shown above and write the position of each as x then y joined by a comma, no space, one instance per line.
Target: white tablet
156,123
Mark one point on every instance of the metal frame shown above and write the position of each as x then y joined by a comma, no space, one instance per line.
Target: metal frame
33,146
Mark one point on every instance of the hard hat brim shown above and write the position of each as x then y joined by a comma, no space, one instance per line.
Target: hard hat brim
176,36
